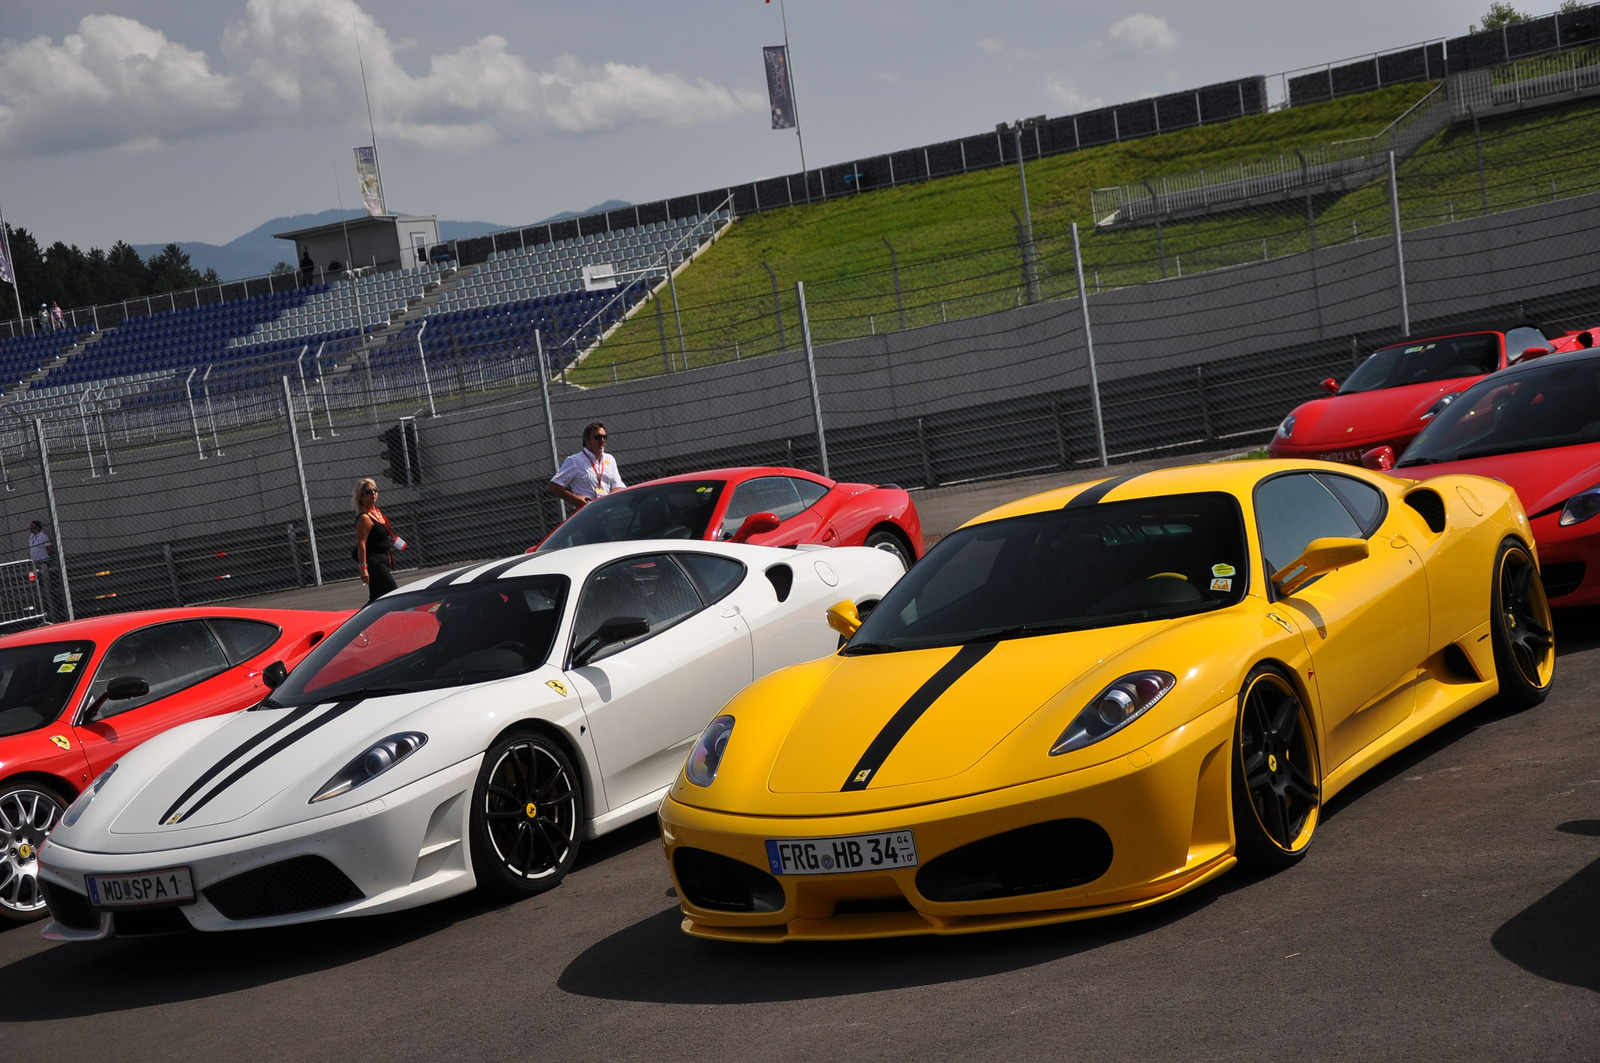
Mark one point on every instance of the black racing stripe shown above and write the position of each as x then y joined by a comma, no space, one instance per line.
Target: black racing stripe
1098,491
451,577
216,769
499,570
912,710
271,751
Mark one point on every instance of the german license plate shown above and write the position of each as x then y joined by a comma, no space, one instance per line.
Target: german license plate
170,886
836,856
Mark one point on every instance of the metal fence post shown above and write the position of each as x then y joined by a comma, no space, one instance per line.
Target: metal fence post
172,574
894,266
1483,185
1399,248
55,519
777,308
300,470
811,375
1088,343
544,393
423,355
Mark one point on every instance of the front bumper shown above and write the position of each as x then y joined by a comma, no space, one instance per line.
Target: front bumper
1344,453
400,850
1569,560
1166,809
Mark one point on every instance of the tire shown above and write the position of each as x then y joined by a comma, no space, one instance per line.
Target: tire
894,543
1520,628
527,816
27,812
1277,789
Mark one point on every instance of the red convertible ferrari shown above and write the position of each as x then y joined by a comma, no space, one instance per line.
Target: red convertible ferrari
74,697
1398,389
764,505
1535,427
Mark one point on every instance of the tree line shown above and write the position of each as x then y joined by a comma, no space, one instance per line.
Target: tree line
71,277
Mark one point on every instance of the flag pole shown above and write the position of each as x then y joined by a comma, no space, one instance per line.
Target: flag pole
11,264
794,96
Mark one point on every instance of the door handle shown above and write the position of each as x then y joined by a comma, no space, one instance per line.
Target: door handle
1399,542
731,611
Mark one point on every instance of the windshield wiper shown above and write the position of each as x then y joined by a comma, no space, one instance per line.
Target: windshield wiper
1022,631
861,649
366,692
1513,448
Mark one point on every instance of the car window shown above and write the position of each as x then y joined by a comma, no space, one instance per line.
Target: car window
1554,402
243,639
764,494
1522,339
810,491
1365,502
653,587
678,509
1425,361
1295,509
170,657
715,577
36,681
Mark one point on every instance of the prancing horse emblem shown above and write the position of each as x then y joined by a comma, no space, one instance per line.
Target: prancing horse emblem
558,686
61,740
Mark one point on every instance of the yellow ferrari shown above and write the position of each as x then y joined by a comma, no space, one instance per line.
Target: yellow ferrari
1100,697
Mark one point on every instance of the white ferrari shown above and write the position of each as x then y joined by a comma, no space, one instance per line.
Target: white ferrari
465,731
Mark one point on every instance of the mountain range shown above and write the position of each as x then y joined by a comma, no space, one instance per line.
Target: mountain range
256,252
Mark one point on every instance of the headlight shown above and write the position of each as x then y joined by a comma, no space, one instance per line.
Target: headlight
1116,706
76,809
374,762
1285,429
1581,506
1438,407
706,757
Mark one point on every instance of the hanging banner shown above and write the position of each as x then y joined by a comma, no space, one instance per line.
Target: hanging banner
779,91
6,273
367,171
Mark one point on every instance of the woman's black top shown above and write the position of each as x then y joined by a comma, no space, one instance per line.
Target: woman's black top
379,538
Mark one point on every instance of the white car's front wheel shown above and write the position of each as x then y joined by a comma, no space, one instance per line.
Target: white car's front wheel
27,813
527,816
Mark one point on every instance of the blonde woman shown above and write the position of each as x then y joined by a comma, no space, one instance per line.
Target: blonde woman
374,540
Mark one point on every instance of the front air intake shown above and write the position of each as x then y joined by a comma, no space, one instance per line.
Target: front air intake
720,884
302,884
68,908
1056,855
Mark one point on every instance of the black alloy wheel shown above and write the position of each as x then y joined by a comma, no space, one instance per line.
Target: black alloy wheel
1521,628
527,816
28,811
1276,790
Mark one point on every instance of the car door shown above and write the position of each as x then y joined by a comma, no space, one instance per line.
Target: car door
1366,625
189,678
649,698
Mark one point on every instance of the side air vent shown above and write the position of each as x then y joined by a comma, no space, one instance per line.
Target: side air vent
782,579
1430,506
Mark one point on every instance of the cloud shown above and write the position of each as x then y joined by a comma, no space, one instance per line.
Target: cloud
1069,98
119,83
1148,34
992,45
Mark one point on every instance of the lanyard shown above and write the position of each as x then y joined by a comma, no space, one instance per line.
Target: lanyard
598,468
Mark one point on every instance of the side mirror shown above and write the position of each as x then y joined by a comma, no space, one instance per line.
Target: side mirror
756,524
1330,385
844,618
1379,459
274,674
1320,557
117,690
617,629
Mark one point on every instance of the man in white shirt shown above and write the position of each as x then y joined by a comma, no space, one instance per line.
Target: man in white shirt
589,474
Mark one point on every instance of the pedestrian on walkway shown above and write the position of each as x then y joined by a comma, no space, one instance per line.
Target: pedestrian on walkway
41,552
375,539
590,473
55,316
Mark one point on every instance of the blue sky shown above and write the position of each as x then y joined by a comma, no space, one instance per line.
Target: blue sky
154,120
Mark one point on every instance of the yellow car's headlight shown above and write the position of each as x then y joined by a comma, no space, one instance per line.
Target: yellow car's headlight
1113,709
706,756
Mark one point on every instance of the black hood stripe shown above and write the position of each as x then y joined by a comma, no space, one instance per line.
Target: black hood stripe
499,570
1098,491
338,710
909,713
289,720
455,574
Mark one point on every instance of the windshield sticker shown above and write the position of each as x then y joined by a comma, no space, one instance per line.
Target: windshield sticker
1222,584
66,668
702,490
1222,568
58,658
61,740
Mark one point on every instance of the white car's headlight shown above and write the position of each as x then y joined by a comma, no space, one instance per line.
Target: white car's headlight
1113,709
379,758
76,809
1286,429
706,757
1581,506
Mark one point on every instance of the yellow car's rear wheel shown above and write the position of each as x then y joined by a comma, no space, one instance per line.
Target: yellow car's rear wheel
1524,646
1277,792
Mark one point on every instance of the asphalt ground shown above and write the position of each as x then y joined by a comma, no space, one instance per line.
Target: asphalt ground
1449,908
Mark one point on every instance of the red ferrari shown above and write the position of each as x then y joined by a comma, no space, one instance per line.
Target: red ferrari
764,505
1398,389
74,697
1535,427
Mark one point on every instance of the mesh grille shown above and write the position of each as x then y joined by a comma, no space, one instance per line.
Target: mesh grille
715,882
302,884
68,908
1056,855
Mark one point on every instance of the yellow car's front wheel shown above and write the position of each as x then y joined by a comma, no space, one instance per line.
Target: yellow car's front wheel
1276,779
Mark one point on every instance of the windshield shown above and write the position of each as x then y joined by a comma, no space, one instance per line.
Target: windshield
1554,403
36,681
1092,566
677,510
1425,361
431,639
